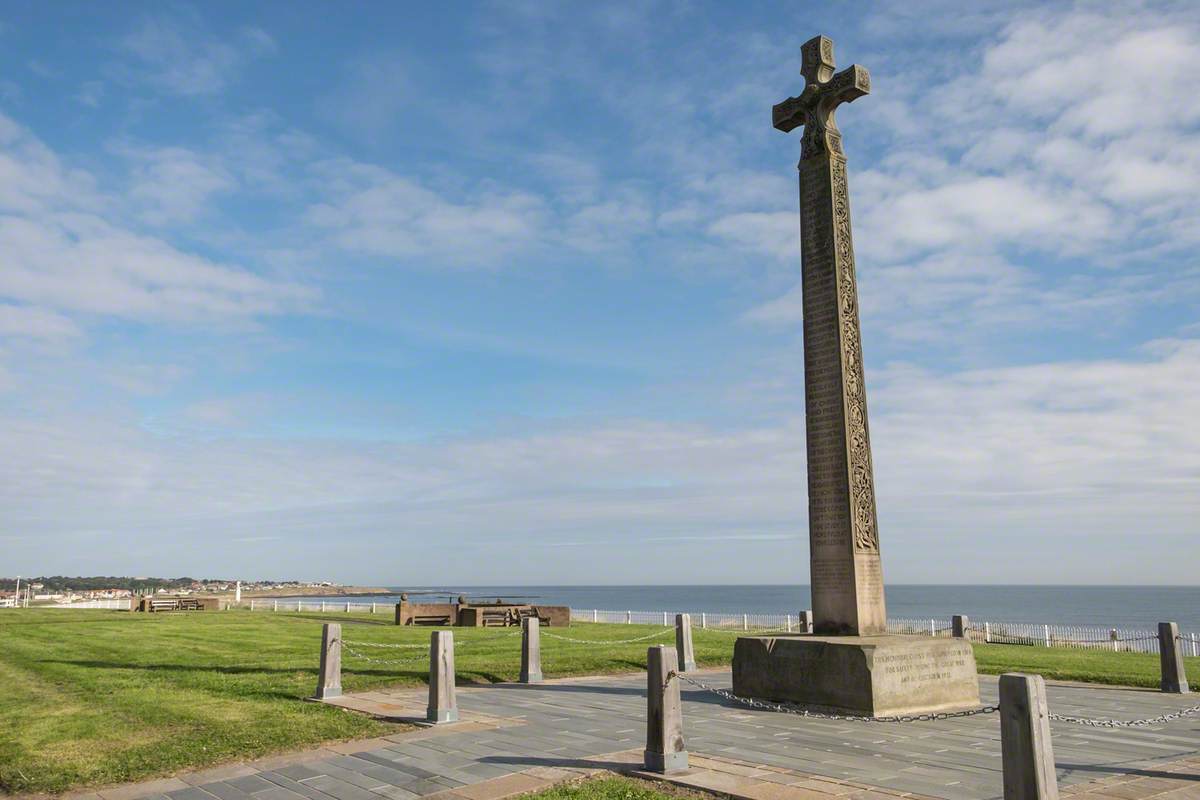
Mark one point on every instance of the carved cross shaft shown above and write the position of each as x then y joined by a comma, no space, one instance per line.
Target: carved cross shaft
823,93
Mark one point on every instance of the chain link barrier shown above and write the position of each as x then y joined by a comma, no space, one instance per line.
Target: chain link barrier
799,711
1125,723
804,712
655,635
999,637
741,632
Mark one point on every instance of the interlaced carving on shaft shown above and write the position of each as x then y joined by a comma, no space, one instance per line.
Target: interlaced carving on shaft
862,481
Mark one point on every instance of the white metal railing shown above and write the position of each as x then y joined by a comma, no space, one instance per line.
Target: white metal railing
1041,635
118,604
323,606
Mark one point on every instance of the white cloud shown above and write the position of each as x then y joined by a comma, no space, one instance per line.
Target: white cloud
35,323
1086,449
173,184
63,247
177,55
1049,177
374,211
90,94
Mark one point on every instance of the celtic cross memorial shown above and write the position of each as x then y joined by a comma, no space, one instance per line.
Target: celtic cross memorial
848,663
847,579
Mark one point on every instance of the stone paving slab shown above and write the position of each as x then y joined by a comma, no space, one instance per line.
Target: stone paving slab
516,738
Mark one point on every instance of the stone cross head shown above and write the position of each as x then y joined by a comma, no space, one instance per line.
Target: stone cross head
823,92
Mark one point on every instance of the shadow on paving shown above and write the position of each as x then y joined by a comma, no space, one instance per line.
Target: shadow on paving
584,688
562,763
1141,773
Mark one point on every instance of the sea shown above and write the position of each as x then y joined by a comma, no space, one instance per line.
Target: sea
1125,607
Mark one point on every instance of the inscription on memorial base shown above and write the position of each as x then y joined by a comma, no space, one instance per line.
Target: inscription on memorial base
863,675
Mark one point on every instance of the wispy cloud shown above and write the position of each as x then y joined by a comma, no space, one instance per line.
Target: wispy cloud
66,249
176,54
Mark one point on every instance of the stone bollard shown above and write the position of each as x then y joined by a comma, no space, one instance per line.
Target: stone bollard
443,706
805,621
1026,752
664,714
531,650
329,680
1170,657
959,624
683,643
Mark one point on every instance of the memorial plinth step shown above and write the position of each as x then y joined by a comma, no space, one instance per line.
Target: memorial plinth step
863,675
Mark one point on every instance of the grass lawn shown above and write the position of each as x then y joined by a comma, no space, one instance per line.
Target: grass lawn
1065,664
616,788
94,697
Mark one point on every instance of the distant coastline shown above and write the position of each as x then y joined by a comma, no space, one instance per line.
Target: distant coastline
320,591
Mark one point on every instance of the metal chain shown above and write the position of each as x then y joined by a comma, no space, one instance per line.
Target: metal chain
995,634
656,634
804,712
363,656
1125,723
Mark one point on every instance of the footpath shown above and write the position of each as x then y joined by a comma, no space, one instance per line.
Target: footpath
518,738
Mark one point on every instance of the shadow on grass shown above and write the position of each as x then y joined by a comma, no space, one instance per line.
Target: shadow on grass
224,670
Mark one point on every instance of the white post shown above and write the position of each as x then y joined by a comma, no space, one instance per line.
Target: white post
275,606
17,594
372,608
932,628
789,622
703,620
665,622
987,632
595,615
628,617
1046,633
745,622
237,594
1112,634
1195,646
251,604
322,605
297,605
347,606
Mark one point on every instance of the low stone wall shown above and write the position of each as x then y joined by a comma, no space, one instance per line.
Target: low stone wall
153,603
463,614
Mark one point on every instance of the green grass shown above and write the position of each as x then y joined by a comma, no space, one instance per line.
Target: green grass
615,788
1065,664
95,697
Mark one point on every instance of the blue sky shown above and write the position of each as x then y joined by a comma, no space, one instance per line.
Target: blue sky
509,293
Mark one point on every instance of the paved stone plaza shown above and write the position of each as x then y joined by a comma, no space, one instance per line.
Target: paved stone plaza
516,737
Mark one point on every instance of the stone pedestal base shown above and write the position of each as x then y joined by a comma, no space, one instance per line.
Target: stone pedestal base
865,675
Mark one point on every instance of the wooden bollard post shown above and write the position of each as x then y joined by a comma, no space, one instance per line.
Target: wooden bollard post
805,621
959,623
1026,752
443,706
531,650
665,751
1170,657
683,643
329,679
